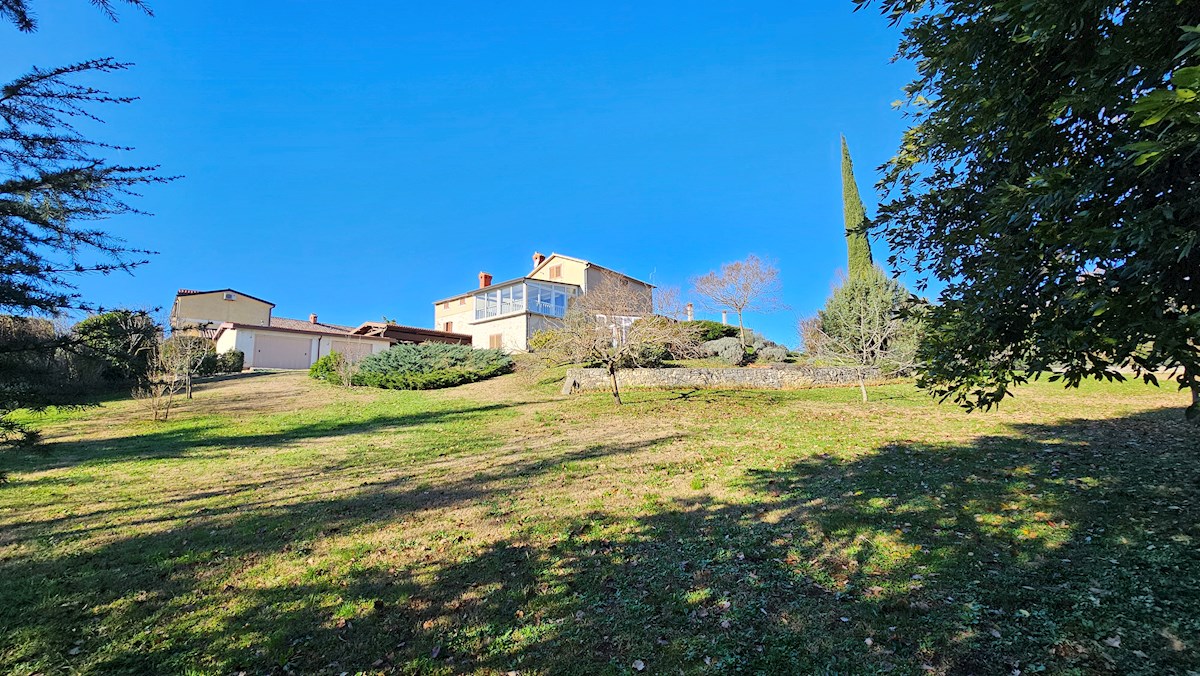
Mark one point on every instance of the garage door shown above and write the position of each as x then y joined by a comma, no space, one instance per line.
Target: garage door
281,352
352,349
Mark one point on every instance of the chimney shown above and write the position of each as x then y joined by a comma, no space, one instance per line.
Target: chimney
691,312
484,280
538,258
312,318
724,316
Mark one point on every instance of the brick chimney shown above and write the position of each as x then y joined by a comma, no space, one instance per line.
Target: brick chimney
691,312
312,318
484,280
538,258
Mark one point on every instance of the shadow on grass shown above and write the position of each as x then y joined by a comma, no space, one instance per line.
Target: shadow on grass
184,437
1063,548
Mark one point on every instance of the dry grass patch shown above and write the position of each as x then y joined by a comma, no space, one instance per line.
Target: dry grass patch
281,525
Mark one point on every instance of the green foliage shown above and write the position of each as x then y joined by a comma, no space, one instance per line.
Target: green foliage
728,350
862,325
707,329
858,244
326,368
1048,182
419,367
121,342
430,357
429,380
232,361
772,354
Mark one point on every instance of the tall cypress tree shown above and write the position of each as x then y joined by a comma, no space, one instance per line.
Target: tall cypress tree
858,246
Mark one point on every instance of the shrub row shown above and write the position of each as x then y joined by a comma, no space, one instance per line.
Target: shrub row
431,357
708,330
430,380
427,366
226,362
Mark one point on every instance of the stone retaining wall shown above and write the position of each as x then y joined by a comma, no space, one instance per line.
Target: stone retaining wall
782,378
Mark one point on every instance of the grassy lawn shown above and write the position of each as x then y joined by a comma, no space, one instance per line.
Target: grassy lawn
279,525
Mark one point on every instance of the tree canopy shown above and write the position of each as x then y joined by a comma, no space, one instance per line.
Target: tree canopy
858,244
1048,180
749,285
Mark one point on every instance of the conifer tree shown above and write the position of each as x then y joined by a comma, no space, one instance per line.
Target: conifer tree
858,246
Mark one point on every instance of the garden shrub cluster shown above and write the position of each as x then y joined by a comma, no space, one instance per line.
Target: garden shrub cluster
426,366
708,330
729,349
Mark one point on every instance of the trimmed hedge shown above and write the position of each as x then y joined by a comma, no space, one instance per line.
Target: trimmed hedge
427,366
708,330
430,357
431,380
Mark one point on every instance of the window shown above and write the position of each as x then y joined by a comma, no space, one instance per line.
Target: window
541,297
449,326
556,271
548,299
462,301
496,341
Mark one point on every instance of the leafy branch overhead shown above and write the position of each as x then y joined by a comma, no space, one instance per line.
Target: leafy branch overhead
53,178
1048,183
18,13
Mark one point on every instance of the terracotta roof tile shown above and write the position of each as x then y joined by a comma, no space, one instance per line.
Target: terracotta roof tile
305,325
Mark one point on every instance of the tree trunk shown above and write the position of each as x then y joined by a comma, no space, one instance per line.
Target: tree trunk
1193,412
862,384
612,377
741,329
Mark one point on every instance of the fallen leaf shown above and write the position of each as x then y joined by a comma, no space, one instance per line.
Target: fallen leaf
638,665
1114,641
437,650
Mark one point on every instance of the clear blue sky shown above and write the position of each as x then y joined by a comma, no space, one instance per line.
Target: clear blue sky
364,160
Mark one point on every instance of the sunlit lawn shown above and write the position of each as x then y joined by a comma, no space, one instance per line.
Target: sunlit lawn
278,525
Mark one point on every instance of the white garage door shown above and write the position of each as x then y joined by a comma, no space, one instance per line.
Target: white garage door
281,352
351,349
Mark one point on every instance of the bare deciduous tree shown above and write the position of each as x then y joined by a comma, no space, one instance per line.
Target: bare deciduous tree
750,285
617,325
346,366
176,362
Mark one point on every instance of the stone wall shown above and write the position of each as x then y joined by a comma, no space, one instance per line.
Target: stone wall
784,377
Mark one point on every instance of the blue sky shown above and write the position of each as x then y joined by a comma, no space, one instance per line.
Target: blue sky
365,160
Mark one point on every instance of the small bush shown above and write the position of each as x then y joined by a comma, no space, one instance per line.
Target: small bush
429,357
771,353
430,380
326,368
232,361
418,367
708,330
207,365
727,349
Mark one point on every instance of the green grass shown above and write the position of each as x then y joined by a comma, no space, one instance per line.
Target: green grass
280,525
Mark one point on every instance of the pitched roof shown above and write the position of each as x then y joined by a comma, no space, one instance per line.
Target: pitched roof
311,327
192,292
546,262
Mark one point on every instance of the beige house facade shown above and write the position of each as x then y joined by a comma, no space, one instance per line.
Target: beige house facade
506,315
239,321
